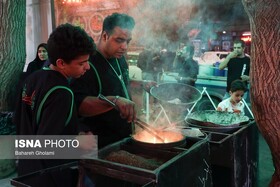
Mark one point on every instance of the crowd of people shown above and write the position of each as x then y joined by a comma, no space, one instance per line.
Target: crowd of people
237,64
80,74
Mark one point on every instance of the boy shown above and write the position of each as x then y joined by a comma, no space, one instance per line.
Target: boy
45,104
234,103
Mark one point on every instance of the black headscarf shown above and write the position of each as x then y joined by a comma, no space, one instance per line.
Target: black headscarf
37,63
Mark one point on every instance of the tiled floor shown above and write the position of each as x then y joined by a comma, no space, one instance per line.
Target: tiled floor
266,167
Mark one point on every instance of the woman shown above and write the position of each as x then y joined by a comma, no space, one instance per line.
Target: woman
40,60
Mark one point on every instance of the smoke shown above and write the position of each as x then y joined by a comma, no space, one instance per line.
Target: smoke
168,23
160,21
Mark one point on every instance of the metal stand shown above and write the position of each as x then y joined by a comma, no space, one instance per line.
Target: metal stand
248,108
162,111
203,91
147,101
165,115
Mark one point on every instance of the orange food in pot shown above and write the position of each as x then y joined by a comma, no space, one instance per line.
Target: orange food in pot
167,136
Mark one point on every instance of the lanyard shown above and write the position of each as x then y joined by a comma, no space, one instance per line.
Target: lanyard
119,76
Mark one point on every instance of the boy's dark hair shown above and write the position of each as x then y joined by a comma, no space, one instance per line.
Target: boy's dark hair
68,42
123,21
239,42
238,85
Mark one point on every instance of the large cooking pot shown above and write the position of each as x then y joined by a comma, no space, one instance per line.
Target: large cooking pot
216,121
176,93
175,97
171,139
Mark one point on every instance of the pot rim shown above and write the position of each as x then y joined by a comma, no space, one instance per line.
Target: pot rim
191,119
179,143
179,84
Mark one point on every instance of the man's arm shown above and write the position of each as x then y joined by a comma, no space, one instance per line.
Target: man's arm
145,84
245,78
224,63
175,61
92,106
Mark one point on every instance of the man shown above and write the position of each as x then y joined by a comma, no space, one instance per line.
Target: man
238,65
108,76
144,62
186,66
45,106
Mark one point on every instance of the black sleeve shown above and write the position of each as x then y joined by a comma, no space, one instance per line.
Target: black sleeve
30,68
55,112
141,63
86,85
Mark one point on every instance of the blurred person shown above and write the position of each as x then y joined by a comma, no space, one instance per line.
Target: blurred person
144,62
38,63
159,62
40,59
45,105
186,67
234,102
151,60
167,57
238,65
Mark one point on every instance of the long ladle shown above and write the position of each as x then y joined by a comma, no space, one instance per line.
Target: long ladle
147,128
140,123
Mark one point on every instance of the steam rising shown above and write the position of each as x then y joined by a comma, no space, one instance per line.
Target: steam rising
168,23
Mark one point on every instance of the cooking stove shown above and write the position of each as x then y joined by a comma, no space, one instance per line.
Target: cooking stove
187,165
216,159
233,154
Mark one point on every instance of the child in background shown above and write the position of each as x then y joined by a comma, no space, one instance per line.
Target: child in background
234,103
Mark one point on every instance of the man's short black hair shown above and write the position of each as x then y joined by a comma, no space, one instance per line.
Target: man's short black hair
123,21
67,42
237,85
239,42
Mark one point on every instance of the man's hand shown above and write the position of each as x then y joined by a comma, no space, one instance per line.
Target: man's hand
147,85
126,108
245,77
224,63
232,54
87,141
178,78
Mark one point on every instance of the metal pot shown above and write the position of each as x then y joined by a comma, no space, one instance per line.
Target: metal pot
216,121
215,118
167,93
172,139
175,98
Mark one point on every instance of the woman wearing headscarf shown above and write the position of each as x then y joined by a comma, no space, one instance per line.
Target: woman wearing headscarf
40,60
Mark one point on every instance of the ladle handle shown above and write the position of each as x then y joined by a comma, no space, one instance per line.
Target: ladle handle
103,98
146,127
